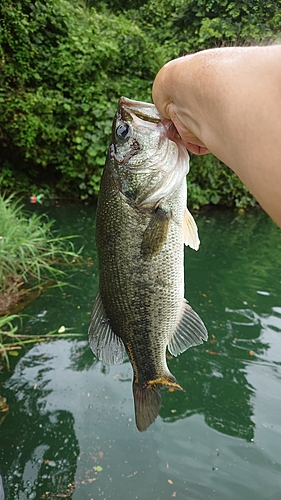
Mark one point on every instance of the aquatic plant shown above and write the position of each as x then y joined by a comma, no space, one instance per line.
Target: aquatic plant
11,341
28,249
7,331
30,254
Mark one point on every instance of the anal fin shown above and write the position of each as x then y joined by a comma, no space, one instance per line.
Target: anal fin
190,332
103,341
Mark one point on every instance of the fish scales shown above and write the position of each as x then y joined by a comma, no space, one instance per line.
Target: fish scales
151,297
140,233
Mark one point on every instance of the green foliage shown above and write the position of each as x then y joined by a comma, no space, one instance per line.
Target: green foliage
64,64
208,23
201,24
210,182
28,249
63,69
7,331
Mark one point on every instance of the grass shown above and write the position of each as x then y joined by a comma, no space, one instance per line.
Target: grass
29,255
11,342
7,331
27,247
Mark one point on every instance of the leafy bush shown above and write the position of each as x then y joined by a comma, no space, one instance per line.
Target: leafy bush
63,70
210,182
191,25
210,23
64,64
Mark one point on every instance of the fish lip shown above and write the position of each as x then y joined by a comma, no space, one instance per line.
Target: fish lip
144,110
171,131
147,112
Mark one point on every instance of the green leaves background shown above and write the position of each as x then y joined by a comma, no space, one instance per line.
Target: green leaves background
65,63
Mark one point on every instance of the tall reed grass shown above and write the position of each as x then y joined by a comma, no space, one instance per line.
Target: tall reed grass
29,253
28,248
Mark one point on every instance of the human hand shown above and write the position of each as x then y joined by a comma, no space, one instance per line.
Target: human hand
171,102
224,101
189,140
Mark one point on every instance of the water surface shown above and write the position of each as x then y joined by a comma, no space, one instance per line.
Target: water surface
70,430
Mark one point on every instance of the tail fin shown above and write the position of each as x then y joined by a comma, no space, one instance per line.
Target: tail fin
147,405
148,399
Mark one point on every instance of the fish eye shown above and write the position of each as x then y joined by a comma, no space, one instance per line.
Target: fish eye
123,131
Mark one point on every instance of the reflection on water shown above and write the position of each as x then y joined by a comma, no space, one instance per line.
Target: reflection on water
70,430
41,447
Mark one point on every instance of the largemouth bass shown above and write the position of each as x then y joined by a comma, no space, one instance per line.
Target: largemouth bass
142,224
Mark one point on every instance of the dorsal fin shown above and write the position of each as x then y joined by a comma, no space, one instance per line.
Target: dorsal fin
104,343
190,332
190,231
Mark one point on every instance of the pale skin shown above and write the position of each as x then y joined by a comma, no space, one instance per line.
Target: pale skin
227,101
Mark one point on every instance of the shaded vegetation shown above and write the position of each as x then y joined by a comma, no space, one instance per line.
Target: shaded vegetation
11,341
64,64
29,252
29,255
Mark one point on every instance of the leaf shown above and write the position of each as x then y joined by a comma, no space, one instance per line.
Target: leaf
91,151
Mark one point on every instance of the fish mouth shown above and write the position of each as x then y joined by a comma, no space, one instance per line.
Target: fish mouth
147,112
143,110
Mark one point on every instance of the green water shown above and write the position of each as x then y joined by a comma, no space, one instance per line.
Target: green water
70,430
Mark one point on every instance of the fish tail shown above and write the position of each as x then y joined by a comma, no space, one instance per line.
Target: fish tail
148,399
147,405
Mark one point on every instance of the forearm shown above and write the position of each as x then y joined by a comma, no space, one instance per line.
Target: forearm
230,99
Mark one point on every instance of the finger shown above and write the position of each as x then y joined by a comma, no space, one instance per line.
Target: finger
193,147
196,148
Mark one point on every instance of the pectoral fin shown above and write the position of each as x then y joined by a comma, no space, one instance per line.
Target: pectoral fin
104,343
190,231
190,332
156,232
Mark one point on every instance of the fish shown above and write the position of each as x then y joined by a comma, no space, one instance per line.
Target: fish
142,224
